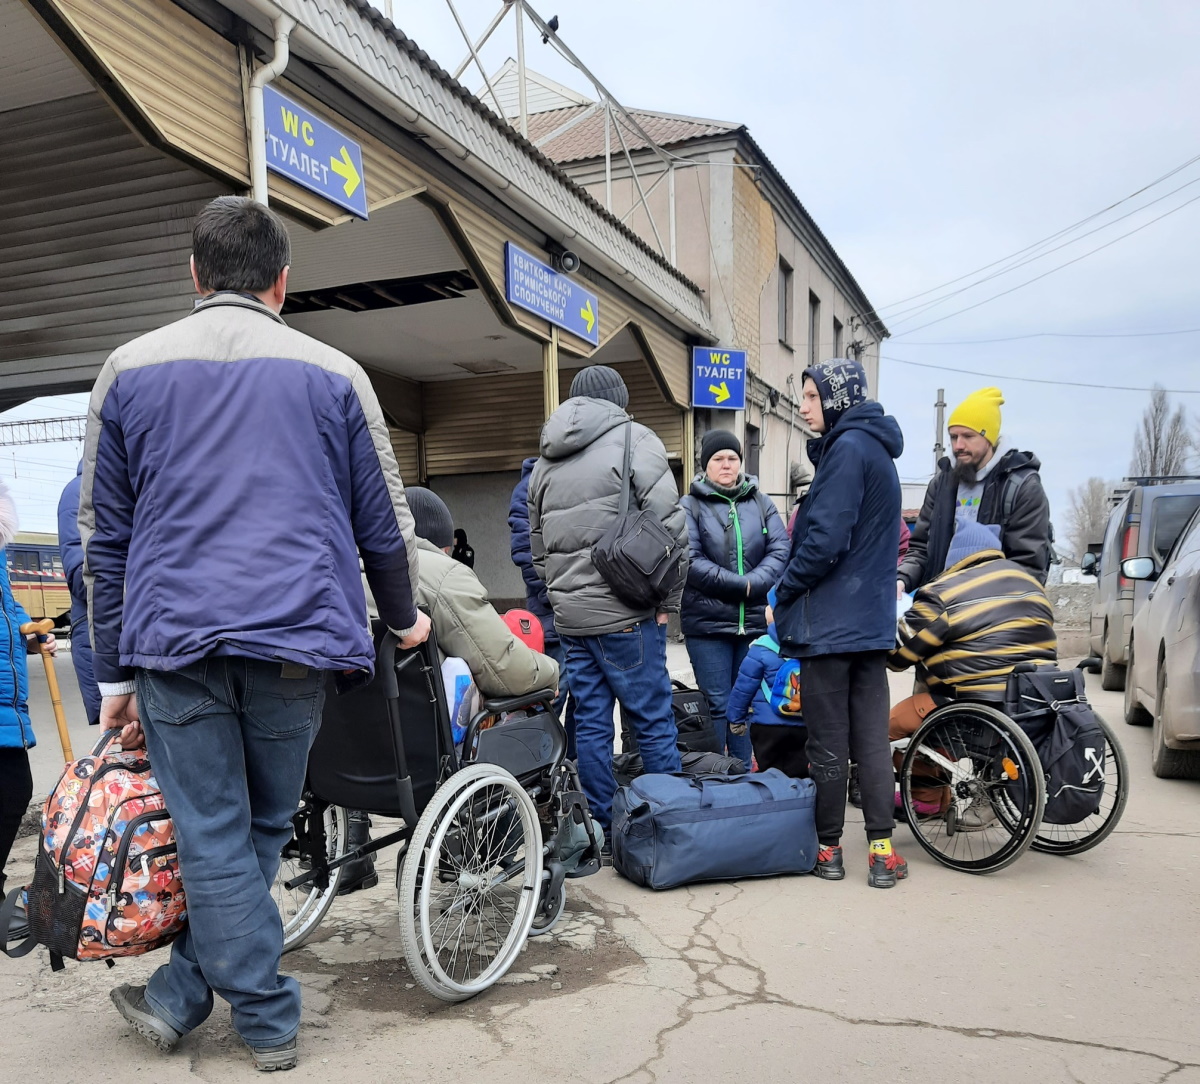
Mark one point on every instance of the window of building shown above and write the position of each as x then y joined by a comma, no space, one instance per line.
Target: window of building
837,337
786,302
814,328
753,444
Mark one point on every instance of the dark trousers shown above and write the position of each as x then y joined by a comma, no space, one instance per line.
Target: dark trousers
16,788
777,745
846,710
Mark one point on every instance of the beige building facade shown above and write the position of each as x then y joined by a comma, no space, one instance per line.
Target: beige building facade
706,196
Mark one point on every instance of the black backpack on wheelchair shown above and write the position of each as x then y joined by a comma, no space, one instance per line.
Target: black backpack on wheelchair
1050,706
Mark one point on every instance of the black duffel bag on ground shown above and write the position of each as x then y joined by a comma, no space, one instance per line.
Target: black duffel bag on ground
693,722
637,556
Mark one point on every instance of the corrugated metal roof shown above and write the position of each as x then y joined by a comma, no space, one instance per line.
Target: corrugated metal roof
370,42
585,139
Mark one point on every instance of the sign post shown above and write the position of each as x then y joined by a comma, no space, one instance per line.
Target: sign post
718,378
535,286
313,154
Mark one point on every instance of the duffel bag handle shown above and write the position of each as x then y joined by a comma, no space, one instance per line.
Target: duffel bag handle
703,782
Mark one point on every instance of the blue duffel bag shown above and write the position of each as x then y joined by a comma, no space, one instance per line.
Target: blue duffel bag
670,830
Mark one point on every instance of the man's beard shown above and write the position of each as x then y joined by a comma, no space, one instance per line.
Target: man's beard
965,472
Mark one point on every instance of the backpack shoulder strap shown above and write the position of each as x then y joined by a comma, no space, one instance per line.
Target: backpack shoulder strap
7,911
626,471
1012,486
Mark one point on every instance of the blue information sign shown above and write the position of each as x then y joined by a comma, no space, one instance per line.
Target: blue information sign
538,288
313,154
718,378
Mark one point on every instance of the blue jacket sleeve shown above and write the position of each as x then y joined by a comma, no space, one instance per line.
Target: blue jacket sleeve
522,554
69,542
706,577
766,573
833,508
746,687
106,506
382,523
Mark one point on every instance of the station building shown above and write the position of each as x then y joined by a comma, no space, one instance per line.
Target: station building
707,193
119,119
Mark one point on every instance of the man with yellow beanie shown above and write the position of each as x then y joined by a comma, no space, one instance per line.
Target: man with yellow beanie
979,486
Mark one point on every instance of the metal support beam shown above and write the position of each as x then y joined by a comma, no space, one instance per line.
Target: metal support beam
671,210
638,184
43,431
550,374
688,452
475,56
607,157
499,18
522,92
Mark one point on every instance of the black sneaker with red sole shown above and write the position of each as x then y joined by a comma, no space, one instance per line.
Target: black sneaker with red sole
884,871
830,866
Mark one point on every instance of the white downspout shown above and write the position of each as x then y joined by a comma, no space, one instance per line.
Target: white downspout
258,120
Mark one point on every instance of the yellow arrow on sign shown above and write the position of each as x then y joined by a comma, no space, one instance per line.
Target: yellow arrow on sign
589,317
344,168
720,391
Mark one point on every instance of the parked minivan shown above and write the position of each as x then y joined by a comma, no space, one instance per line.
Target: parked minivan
1146,523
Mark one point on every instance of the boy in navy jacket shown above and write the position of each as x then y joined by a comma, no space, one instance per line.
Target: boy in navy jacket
779,737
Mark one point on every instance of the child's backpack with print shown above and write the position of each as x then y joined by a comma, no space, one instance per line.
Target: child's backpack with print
106,879
782,693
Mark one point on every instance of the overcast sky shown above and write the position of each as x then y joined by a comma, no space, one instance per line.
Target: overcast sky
927,140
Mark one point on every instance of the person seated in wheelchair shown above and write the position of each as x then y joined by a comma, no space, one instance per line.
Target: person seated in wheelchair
467,627
967,629
465,622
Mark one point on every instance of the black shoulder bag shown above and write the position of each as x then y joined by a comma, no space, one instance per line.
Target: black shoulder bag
637,556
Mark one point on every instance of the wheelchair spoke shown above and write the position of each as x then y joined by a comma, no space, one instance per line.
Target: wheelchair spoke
481,841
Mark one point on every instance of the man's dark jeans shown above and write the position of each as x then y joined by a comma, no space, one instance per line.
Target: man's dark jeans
846,711
228,740
630,667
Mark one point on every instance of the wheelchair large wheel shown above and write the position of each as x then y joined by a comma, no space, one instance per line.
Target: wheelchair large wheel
301,909
980,786
1069,839
470,882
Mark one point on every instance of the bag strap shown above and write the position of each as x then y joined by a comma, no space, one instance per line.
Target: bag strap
7,910
626,472
709,778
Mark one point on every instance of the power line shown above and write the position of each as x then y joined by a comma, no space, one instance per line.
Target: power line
925,306
1046,240
1045,274
1037,380
1059,335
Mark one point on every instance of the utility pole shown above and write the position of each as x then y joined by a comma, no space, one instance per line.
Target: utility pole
939,449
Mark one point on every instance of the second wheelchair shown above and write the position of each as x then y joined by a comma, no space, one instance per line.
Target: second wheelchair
974,790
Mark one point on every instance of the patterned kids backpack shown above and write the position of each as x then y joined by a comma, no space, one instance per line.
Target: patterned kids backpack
106,879
783,692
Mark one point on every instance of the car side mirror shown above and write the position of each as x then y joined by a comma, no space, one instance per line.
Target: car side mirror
1087,566
1138,568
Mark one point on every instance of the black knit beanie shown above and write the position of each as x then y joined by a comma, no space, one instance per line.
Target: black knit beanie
841,383
718,440
431,517
601,382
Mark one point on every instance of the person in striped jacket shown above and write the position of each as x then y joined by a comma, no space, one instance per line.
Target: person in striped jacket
969,627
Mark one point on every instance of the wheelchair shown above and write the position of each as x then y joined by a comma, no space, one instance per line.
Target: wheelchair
492,829
973,790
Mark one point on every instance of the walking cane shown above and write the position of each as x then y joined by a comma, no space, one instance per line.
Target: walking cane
40,629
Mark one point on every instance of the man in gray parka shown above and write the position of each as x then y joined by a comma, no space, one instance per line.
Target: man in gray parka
614,653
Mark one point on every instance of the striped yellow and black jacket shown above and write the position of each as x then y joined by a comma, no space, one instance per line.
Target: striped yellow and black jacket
969,627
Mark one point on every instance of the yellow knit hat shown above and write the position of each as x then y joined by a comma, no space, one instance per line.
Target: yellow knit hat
980,411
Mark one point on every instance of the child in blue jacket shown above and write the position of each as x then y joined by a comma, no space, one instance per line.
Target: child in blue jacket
766,696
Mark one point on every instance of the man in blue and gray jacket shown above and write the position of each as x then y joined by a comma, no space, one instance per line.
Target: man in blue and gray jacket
234,472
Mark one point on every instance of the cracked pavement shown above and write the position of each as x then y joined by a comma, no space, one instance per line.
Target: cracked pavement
1081,969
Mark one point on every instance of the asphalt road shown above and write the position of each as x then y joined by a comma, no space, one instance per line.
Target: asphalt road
1058,969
